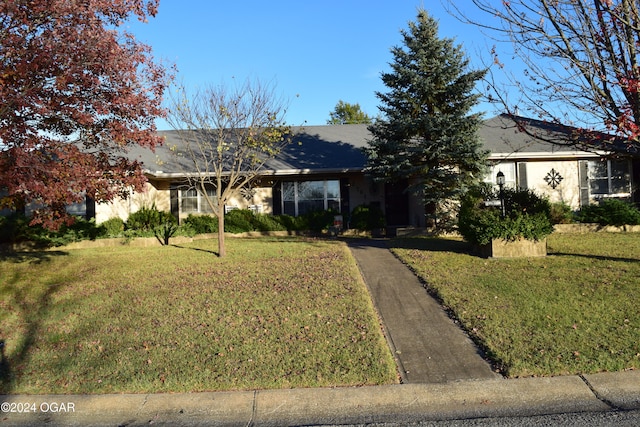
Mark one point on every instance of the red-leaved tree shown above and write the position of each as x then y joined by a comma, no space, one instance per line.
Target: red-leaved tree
76,91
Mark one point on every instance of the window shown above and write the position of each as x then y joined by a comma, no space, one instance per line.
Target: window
189,200
192,200
301,197
509,171
609,178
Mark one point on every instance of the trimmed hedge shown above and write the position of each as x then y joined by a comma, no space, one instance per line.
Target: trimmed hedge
244,220
610,212
113,227
202,224
528,216
150,222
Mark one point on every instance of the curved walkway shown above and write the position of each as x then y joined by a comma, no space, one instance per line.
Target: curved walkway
428,346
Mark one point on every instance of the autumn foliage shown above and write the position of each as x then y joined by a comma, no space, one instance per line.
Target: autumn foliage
76,91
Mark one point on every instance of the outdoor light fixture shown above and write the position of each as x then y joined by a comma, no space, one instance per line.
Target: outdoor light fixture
500,182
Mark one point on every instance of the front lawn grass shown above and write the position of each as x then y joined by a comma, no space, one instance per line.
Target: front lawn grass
274,313
575,311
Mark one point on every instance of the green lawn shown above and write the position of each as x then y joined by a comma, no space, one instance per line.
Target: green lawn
274,313
574,311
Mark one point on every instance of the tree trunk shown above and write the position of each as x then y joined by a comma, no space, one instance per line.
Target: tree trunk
221,248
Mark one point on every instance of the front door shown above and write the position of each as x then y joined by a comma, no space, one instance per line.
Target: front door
396,203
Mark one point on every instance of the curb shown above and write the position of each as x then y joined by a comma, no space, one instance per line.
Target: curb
403,403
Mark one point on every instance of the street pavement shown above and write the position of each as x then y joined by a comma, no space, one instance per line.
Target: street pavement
444,377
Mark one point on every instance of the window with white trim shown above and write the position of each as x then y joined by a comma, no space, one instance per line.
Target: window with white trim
609,178
193,201
301,197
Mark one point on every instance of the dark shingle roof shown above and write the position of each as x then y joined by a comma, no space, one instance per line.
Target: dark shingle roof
527,138
313,149
324,148
503,137
338,148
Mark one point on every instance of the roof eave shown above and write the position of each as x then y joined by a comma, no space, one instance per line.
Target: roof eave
281,172
546,156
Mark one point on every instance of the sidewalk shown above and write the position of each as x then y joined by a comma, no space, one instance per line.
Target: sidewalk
444,378
428,346
401,404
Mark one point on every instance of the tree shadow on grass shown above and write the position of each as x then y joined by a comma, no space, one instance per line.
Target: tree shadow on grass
31,312
433,244
34,257
271,239
5,367
595,257
196,249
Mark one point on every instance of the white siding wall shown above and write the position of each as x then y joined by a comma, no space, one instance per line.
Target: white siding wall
567,191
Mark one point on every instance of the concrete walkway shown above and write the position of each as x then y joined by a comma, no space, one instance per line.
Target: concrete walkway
429,347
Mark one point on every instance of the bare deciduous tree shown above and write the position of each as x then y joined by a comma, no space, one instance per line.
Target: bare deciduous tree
581,63
226,136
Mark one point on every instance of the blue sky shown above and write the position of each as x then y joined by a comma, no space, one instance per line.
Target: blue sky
315,52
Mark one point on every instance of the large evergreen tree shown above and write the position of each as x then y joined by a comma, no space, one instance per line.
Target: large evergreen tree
427,133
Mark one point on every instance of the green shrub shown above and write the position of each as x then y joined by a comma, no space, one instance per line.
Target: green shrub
4,229
317,221
367,217
16,228
292,223
245,220
561,213
610,212
113,227
151,222
185,230
166,227
80,229
525,201
527,217
238,221
266,222
202,224
144,220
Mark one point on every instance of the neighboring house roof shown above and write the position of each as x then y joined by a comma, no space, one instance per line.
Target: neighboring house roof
505,140
338,148
521,137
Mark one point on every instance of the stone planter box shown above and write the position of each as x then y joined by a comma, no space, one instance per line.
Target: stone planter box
499,248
